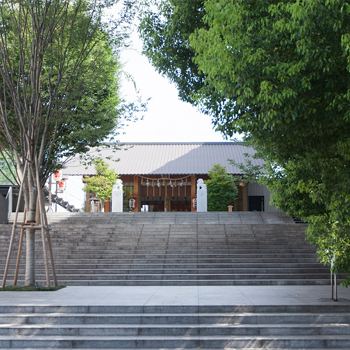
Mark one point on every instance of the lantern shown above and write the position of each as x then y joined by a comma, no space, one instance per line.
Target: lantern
62,185
58,176
194,203
132,203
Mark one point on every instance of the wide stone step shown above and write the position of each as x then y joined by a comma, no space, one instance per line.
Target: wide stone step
151,259
168,218
190,282
170,263
57,315
188,266
174,327
316,310
83,270
173,330
163,348
98,265
178,249
189,276
190,342
115,242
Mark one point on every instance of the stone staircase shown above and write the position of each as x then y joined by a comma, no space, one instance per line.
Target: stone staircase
109,249
174,249
175,327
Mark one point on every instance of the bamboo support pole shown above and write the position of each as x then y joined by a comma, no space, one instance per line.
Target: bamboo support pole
53,269
19,250
43,227
14,227
45,224
46,263
51,255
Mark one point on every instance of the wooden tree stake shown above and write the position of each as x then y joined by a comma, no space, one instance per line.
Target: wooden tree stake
19,249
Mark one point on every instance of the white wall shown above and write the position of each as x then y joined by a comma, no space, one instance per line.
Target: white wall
73,194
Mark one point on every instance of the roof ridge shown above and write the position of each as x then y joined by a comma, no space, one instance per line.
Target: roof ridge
181,143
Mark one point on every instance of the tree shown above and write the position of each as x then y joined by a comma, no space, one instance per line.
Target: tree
286,66
280,72
165,28
7,172
58,89
221,188
165,35
317,189
102,183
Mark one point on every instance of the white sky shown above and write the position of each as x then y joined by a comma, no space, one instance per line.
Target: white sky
167,119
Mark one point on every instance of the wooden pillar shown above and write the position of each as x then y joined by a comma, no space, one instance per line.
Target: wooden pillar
87,202
167,204
193,191
137,193
87,197
107,206
245,197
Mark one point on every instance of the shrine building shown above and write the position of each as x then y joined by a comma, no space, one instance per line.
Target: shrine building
163,176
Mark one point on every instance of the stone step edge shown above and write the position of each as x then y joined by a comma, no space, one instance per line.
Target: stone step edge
179,314
289,338
75,348
245,348
170,326
195,337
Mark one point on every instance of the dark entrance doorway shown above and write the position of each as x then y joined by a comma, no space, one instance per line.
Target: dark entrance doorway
256,203
158,203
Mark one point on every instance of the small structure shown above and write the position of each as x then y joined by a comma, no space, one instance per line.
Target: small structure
8,202
202,201
95,205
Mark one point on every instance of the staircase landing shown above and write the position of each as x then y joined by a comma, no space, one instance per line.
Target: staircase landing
197,297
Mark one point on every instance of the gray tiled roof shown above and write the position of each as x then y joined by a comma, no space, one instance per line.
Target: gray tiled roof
167,158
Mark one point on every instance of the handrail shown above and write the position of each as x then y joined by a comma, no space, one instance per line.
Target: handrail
59,201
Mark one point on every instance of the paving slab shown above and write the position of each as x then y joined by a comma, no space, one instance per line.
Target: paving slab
180,295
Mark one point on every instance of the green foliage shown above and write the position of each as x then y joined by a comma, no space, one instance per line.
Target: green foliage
284,66
278,72
58,88
65,75
7,170
317,189
165,29
102,183
249,173
221,189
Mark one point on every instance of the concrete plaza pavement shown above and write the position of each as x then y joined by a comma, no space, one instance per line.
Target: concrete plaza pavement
179,296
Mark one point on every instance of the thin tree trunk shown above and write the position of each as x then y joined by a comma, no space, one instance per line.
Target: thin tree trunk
30,238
